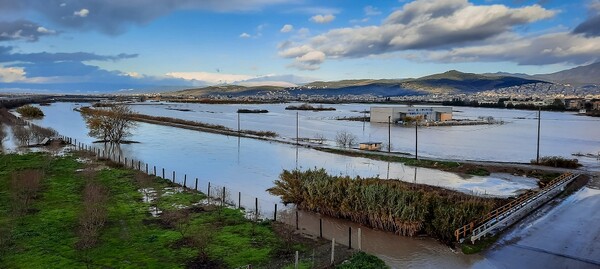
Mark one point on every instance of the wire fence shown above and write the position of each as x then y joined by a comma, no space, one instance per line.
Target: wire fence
336,245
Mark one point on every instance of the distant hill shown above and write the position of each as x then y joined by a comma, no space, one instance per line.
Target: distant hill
579,76
448,82
351,83
233,90
455,81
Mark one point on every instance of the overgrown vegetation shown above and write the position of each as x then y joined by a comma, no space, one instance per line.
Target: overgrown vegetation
29,111
391,205
59,212
478,172
480,245
242,110
23,133
309,107
363,260
557,161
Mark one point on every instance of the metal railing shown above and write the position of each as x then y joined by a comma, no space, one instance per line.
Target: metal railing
527,202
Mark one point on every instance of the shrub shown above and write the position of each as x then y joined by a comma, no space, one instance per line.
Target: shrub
363,260
557,161
391,205
29,111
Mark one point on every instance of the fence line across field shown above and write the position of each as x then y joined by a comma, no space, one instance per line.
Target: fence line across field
256,209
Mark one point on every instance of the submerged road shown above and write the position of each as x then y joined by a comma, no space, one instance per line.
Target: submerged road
562,234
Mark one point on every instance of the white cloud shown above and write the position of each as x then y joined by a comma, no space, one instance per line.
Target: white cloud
420,25
82,13
287,28
594,6
11,74
206,78
371,11
63,4
322,19
296,51
550,48
212,78
314,57
284,84
44,30
245,35
132,74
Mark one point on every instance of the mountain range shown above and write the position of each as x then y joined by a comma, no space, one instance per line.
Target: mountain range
448,82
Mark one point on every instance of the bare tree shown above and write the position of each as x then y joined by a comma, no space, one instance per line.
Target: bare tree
200,239
111,125
179,219
24,188
319,138
345,139
22,134
94,213
3,136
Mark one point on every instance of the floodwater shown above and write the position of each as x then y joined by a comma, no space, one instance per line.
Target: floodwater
249,166
562,133
563,236
557,236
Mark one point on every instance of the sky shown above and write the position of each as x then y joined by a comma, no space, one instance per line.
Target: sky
116,45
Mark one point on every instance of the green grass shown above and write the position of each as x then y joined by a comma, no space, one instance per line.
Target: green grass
363,260
478,172
131,237
480,245
301,265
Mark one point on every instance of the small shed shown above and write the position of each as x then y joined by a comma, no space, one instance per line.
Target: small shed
370,146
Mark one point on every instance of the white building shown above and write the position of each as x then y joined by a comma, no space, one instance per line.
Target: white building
399,113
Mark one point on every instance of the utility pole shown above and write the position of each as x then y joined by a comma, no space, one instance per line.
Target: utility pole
416,138
238,123
538,135
297,128
389,133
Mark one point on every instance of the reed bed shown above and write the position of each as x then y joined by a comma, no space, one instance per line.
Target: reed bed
402,208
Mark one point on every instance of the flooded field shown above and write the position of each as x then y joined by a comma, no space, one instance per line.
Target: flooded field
562,133
249,166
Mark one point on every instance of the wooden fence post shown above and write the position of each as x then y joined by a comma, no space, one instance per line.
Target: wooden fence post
223,198
332,251
349,237
256,206
359,239
320,228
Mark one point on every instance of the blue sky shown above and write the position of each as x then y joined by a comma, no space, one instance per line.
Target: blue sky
105,45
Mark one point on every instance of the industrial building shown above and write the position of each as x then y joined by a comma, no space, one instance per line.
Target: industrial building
399,113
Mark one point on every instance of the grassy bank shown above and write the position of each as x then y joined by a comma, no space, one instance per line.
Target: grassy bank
450,166
390,205
62,212
187,123
442,165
